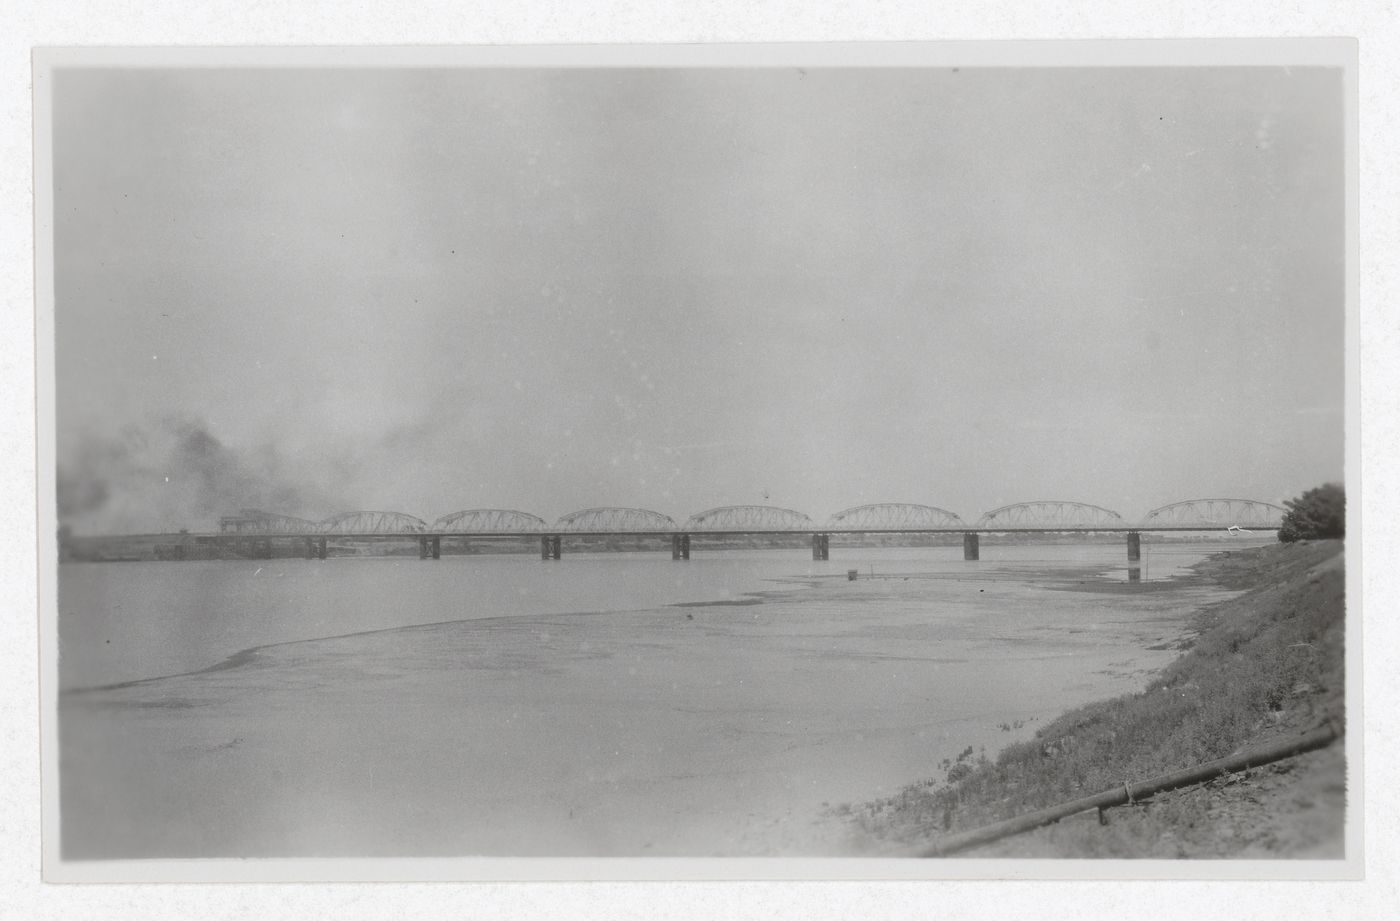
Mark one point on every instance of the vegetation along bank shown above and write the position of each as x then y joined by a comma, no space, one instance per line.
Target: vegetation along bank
1261,667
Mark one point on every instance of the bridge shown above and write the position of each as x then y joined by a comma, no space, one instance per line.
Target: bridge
258,528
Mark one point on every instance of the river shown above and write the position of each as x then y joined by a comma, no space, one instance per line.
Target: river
618,704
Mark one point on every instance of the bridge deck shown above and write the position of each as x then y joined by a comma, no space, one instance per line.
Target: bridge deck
699,532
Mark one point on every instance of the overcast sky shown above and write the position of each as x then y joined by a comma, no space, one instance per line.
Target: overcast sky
426,291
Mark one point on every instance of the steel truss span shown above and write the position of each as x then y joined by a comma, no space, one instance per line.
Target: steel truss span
256,521
1050,514
1216,513
615,519
895,515
372,523
749,518
490,520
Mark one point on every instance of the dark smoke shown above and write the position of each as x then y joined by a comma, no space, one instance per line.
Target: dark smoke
175,474
77,496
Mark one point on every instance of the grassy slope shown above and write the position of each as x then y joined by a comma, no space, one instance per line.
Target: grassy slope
1262,665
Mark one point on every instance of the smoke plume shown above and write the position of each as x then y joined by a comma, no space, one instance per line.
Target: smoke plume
174,474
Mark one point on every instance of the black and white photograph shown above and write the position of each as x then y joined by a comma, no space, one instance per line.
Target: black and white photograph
930,456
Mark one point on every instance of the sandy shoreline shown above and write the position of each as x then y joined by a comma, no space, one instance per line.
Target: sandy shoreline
687,731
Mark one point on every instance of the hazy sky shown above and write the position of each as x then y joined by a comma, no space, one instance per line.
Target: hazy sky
434,290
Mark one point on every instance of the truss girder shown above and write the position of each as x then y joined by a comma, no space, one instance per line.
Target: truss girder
1049,514
1217,513
748,517
491,520
373,523
895,515
615,519
268,523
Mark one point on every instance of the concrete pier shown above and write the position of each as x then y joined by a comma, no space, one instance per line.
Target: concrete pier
1134,546
971,549
821,546
680,546
551,547
321,548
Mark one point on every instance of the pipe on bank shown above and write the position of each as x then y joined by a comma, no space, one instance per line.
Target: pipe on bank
1129,792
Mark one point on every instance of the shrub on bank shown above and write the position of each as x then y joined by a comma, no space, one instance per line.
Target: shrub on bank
1317,514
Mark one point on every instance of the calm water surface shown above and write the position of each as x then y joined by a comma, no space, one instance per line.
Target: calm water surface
130,621
502,705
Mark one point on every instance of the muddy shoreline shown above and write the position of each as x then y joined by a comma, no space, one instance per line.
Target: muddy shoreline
1281,638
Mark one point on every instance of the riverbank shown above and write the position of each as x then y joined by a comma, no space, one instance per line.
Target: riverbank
1262,666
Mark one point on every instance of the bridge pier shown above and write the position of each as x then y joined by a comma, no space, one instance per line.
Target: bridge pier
1134,546
321,548
437,548
310,549
422,548
821,546
551,547
680,546
971,550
